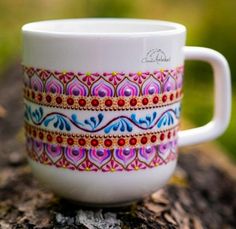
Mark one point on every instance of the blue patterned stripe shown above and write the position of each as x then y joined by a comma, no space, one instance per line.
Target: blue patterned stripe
93,124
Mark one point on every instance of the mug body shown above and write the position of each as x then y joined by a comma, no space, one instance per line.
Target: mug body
102,105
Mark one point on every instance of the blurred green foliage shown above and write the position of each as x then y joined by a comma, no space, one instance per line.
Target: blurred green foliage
210,23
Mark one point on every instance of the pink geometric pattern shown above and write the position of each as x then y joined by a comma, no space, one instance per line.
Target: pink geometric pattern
104,84
127,88
77,88
104,160
151,86
102,92
53,85
102,88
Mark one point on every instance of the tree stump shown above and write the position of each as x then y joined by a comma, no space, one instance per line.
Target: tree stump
201,194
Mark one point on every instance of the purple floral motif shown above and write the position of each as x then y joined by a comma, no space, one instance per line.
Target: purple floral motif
38,147
147,154
29,71
164,150
169,85
102,88
29,144
88,77
26,80
159,161
161,75
64,76
179,80
53,85
174,145
124,156
151,86
139,76
112,166
43,74
115,83
114,77
75,155
53,151
99,157
127,88
87,166
105,160
76,87
179,76
136,165
36,83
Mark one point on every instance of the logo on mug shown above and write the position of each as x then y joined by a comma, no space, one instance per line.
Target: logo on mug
155,56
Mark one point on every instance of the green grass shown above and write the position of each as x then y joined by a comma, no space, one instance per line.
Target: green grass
198,103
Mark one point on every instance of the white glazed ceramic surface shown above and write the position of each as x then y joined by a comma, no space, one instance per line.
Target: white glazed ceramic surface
103,188
102,105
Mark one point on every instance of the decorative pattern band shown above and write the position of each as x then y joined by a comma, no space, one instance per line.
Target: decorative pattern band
114,84
106,103
102,122
102,141
105,160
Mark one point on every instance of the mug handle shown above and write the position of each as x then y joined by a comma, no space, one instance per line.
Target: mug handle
222,97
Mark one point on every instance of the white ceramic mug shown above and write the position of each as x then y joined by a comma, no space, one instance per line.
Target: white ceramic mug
102,105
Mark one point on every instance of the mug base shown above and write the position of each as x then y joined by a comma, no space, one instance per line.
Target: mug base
103,189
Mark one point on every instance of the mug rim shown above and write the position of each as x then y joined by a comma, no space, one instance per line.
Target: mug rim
60,27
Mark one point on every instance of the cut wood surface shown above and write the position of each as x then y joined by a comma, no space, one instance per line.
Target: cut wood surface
201,194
